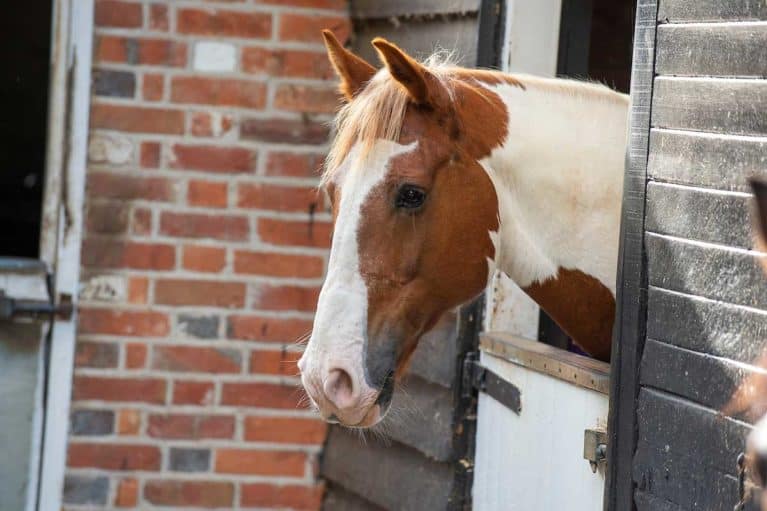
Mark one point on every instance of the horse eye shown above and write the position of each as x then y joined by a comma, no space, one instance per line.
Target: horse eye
410,197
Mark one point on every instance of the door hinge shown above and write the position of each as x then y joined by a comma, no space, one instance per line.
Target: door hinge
11,308
478,377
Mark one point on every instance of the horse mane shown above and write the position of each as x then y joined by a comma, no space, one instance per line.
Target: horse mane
376,112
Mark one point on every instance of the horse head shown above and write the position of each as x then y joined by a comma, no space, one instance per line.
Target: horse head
413,210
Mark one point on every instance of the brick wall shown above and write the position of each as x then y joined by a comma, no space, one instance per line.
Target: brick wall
204,251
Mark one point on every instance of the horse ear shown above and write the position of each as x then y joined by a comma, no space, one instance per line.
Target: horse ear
760,192
407,71
353,71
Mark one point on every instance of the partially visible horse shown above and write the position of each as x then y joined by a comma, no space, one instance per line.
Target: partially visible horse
750,398
437,176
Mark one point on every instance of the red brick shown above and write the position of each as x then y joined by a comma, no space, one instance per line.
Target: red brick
316,4
192,393
158,17
127,493
141,224
137,119
207,194
218,91
282,363
140,51
205,259
135,355
285,430
294,165
104,185
196,359
111,253
107,218
129,422
191,426
205,124
213,158
286,63
128,323
150,155
96,354
199,292
269,463
278,265
138,290
205,494
307,99
112,13
278,198
264,395
285,298
153,86
296,233
113,456
244,24
143,390
285,131
289,496
267,329
193,225
308,27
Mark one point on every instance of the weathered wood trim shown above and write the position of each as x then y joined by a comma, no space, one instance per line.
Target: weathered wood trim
570,367
720,217
706,379
339,499
708,160
404,478
705,325
718,105
713,271
492,19
631,299
676,11
376,9
712,50
686,452
423,418
74,37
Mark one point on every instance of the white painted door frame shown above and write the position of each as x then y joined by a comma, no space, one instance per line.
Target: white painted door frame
61,232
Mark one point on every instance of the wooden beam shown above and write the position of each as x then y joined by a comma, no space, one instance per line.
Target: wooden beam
631,299
706,159
676,11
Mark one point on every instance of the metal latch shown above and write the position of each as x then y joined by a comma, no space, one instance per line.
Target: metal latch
14,307
595,447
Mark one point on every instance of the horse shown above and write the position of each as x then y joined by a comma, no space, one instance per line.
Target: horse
439,175
750,398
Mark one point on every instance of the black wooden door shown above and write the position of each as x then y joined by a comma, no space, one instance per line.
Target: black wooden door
693,303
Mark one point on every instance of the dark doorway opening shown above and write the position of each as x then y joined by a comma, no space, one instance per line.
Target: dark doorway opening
595,43
24,75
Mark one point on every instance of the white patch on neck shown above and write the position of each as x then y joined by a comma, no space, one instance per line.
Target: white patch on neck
341,319
559,180
757,439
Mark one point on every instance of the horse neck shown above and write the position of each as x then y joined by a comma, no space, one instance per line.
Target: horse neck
559,179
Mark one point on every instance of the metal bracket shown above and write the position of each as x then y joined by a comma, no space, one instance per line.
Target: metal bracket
11,308
476,376
595,447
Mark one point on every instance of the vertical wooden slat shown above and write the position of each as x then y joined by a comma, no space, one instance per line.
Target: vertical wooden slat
631,299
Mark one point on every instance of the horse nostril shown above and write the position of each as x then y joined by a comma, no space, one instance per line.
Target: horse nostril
339,389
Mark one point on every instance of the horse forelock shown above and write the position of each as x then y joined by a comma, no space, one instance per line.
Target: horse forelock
378,112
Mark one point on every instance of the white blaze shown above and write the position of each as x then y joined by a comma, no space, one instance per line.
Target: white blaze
338,335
